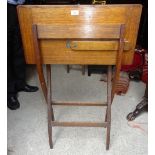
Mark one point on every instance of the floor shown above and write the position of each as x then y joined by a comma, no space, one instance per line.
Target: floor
27,126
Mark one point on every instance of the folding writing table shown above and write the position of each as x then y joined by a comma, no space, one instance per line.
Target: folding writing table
79,34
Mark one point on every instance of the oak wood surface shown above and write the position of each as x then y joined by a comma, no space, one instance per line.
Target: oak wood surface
78,31
79,124
55,51
97,45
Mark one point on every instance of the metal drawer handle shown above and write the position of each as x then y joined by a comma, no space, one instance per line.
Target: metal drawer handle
73,45
68,44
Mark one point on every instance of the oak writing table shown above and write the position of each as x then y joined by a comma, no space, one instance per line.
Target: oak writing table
79,34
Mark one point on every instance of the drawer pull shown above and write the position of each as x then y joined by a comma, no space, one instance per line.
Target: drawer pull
97,45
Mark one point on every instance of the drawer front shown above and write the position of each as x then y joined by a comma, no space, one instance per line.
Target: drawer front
65,52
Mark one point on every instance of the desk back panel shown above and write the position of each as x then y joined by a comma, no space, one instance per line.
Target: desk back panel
55,51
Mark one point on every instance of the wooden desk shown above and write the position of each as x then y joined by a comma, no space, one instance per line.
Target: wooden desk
104,35
56,52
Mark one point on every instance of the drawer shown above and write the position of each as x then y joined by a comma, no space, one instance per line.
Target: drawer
79,52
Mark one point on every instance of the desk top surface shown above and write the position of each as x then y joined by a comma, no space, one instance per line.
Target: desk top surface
55,51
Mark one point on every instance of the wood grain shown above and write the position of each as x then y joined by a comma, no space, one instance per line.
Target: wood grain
97,45
78,103
88,15
78,31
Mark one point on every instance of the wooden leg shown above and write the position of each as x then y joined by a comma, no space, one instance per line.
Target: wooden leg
114,82
42,80
47,94
110,94
39,62
83,69
108,111
113,87
119,61
50,109
48,70
108,136
106,116
68,68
